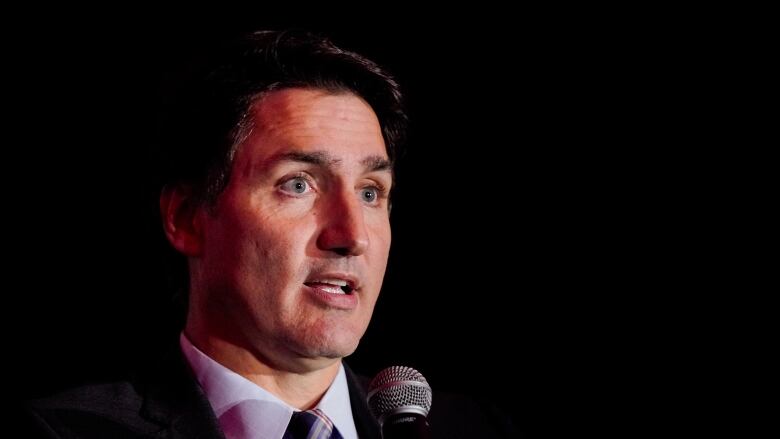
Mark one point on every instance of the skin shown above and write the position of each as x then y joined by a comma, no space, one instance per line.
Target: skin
307,200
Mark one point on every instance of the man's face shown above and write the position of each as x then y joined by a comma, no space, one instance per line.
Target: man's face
295,251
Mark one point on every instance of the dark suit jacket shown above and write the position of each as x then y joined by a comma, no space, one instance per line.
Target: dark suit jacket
167,402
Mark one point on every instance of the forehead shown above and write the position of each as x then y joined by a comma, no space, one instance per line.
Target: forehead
310,119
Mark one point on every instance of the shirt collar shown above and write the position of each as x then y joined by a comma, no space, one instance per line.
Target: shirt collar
225,389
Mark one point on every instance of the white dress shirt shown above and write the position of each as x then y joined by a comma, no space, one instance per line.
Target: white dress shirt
247,411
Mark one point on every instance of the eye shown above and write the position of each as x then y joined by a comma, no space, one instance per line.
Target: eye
369,194
296,185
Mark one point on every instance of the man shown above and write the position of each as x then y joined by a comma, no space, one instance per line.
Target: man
278,194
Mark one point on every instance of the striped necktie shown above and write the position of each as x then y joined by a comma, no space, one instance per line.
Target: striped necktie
311,424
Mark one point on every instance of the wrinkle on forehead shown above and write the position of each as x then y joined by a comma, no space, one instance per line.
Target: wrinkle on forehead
317,124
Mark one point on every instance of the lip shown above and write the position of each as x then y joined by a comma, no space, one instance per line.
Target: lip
350,279
345,302
330,300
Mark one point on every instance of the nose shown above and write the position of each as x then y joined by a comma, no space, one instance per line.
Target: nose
344,230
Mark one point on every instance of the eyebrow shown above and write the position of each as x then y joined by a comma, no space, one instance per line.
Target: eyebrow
372,163
376,163
318,158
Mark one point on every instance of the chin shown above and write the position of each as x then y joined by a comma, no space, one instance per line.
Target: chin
325,339
335,349
330,346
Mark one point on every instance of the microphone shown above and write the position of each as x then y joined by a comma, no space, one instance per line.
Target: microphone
400,398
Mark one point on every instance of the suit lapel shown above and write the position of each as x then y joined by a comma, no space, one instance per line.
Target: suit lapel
173,398
365,423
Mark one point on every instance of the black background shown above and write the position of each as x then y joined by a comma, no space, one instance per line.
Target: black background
525,222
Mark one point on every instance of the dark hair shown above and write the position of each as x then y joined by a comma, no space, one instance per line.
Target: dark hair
203,124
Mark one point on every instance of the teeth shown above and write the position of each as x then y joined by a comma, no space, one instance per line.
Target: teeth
333,289
332,286
339,282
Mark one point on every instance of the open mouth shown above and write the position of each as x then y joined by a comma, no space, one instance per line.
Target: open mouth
332,286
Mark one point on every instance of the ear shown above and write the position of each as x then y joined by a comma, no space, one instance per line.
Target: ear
181,217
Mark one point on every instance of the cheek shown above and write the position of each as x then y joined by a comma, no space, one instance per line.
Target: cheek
277,250
381,239
287,231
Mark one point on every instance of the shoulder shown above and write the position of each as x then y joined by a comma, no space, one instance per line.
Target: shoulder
161,398
97,410
103,397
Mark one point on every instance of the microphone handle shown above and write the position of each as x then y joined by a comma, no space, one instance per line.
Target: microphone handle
406,426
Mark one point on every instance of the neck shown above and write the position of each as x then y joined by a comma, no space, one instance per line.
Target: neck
300,387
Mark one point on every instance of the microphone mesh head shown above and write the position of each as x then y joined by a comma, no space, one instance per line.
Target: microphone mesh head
399,389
